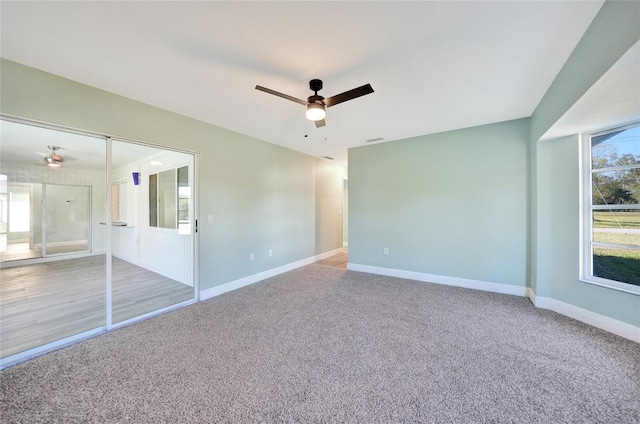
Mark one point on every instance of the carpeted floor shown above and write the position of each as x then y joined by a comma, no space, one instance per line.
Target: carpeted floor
323,345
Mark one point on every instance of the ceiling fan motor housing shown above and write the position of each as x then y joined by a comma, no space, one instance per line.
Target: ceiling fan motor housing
315,99
315,85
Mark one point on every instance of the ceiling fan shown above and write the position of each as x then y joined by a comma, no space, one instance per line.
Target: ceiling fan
316,104
53,159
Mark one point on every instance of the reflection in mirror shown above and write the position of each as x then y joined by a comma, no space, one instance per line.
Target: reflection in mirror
153,200
62,213
184,199
166,205
169,199
55,213
153,256
119,202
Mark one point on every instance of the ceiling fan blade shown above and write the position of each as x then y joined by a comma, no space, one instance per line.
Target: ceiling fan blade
284,96
348,95
320,123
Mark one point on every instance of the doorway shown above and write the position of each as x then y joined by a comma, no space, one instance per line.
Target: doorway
44,219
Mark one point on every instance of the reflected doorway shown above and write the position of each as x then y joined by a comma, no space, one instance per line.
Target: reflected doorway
66,219
42,220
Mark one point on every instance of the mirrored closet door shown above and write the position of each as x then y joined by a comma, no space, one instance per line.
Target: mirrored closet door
152,231
85,247
52,276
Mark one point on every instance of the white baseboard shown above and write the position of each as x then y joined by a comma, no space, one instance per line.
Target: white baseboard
441,279
531,295
61,243
245,281
602,322
345,244
54,258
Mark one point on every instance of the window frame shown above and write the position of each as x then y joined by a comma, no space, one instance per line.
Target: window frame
119,202
183,228
586,215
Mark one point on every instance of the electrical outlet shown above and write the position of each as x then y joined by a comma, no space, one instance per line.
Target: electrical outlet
210,219
270,252
251,256
386,250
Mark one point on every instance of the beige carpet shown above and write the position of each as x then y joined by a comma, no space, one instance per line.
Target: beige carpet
323,345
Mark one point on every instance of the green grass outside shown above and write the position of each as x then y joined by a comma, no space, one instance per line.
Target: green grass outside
615,219
617,238
617,264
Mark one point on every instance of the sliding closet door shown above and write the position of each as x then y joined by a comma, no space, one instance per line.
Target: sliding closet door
152,231
94,232
52,211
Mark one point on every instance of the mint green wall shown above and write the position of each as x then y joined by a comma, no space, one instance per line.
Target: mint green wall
262,196
558,214
555,243
558,251
533,217
613,31
452,204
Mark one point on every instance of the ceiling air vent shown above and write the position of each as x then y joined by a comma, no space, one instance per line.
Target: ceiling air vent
372,140
328,157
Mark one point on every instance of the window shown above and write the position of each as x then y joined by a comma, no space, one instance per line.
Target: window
19,210
169,200
119,201
184,200
611,218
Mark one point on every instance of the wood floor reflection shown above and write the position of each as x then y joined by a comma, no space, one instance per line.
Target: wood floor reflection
19,251
45,302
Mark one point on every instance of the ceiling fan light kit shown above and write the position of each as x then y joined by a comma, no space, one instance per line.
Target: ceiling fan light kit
316,104
54,160
316,112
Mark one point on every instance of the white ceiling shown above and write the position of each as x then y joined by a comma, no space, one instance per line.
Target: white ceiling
434,66
612,101
28,144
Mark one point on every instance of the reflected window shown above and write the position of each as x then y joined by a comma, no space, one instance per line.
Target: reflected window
184,200
119,201
169,199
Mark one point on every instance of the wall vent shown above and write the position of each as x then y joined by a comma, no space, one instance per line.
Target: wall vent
371,140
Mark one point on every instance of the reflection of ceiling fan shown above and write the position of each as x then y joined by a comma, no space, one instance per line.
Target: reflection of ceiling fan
316,104
53,159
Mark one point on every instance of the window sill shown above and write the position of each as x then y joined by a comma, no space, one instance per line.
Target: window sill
614,285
